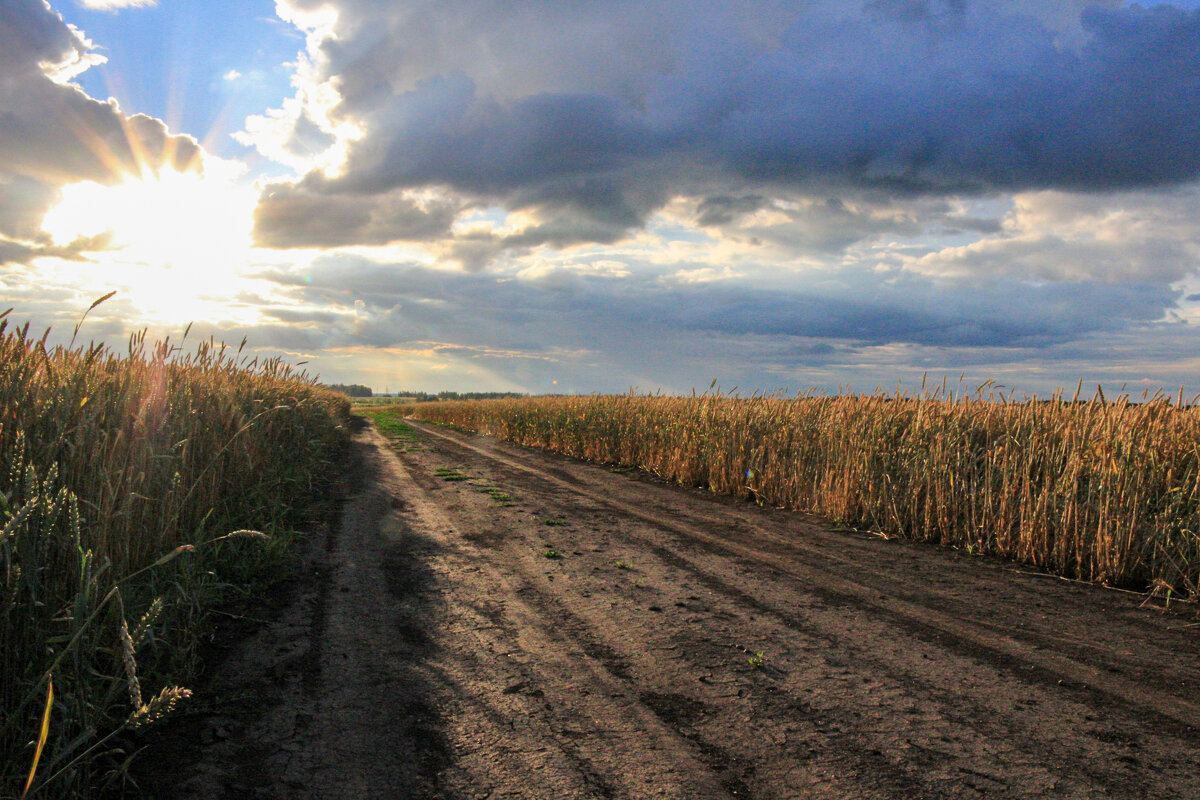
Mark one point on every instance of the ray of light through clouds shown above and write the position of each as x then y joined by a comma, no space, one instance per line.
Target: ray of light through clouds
471,195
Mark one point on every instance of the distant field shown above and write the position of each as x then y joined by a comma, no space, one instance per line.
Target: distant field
121,480
1105,491
379,402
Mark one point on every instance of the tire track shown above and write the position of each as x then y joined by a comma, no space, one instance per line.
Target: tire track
526,627
600,637
1003,650
1094,745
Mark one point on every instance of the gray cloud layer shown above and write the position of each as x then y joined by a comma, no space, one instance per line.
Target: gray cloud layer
600,112
294,215
601,331
573,308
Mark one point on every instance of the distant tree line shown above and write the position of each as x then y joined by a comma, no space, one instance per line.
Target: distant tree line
351,389
358,390
426,397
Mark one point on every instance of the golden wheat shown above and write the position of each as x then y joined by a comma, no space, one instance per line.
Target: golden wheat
119,475
1106,491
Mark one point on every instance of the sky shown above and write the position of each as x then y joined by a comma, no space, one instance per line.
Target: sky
564,196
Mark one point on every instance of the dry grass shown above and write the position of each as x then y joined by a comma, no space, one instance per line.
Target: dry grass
119,475
1106,491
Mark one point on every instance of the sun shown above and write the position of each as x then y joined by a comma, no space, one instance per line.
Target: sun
174,244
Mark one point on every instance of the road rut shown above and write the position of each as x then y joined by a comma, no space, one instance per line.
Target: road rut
495,622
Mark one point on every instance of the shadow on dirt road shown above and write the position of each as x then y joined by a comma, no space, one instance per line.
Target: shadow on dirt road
494,622
332,698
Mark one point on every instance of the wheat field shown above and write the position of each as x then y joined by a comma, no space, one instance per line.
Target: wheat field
125,481
1105,490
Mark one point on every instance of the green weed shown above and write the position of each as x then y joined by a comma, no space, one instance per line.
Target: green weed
391,424
501,497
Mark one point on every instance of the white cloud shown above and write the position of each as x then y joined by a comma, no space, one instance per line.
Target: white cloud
566,272
116,5
1064,236
302,133
232,75
705,275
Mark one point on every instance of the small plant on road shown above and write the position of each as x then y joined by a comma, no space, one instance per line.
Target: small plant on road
622,565
450,474
757,661
551,553
502,498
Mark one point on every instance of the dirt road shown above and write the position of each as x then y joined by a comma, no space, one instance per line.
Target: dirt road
491,622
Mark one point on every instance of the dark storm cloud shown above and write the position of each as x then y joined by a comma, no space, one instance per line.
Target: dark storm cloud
601,112
51,133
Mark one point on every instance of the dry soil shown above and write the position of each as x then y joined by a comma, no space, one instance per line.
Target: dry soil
494,622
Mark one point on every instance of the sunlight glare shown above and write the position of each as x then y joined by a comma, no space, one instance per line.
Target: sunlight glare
178,240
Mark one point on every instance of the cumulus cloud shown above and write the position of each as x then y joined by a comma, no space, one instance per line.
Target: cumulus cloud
592,116
1058,236
294,215
51,132
805,224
